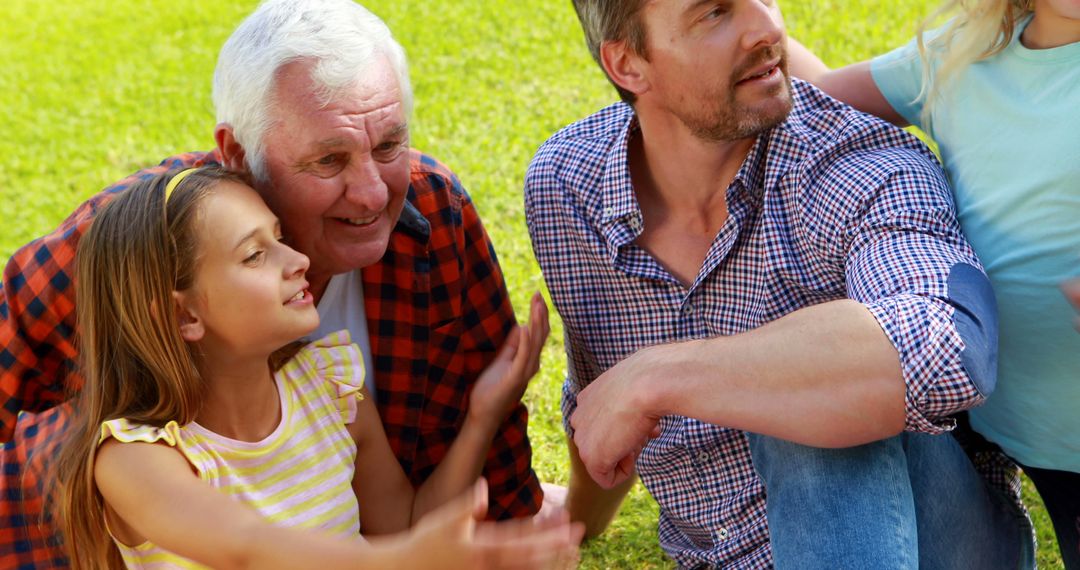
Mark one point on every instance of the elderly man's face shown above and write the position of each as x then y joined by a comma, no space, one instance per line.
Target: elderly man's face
719,66
338,172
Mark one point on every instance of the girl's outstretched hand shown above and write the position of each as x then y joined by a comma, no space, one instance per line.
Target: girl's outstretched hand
503,382
452,537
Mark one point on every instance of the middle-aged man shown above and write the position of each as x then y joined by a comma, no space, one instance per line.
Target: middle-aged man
763,289
312,100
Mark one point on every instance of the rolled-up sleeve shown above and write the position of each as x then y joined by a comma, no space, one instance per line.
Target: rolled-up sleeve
909,263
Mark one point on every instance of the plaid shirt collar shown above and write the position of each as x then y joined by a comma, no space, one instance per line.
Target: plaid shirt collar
619,217
414,223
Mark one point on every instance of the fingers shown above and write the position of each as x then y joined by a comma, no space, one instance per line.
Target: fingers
540,542
459,515
554,499
511,347
539,328
480,499
603,474
609,477
538,318
1072,291
530,343
624,469
605,468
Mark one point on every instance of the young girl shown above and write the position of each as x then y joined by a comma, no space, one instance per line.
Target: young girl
199,442
997,89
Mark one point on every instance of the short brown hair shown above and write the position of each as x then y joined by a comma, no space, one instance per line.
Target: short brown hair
612,21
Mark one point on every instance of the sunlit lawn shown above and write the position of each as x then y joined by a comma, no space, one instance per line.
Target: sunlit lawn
91,91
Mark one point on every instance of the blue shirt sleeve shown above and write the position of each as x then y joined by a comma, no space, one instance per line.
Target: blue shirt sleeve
899,76
909,263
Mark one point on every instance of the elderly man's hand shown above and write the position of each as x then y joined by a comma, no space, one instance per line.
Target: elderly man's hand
1072,293
614,421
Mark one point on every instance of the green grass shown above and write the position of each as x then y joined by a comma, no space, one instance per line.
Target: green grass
91,91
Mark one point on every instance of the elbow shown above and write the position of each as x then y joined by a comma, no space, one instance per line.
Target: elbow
878,412
976,321
858,432
242,551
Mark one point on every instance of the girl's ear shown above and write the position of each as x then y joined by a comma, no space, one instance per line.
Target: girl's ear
191,326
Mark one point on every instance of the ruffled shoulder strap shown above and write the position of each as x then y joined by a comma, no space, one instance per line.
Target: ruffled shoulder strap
337,361
126,431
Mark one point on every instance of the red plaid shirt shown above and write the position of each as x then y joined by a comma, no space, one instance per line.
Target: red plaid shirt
437,311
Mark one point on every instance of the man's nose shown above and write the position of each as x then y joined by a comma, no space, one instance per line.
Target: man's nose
364,185
763,23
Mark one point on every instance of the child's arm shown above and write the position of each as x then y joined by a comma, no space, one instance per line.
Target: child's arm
157,497
501,385
387,501
383,491
853,84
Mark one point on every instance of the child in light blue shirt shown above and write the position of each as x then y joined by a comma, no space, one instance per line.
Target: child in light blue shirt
998,89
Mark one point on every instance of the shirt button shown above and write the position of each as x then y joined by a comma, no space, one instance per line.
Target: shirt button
688,309
722,534
634,222
703,457
608,212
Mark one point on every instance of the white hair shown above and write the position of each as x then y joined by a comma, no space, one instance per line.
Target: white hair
339,37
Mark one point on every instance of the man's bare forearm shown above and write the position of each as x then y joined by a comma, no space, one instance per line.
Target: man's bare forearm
826,375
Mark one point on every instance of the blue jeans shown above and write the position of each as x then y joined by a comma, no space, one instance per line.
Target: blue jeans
910,501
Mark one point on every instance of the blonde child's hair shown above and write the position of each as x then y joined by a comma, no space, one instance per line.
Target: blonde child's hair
978,29
139,248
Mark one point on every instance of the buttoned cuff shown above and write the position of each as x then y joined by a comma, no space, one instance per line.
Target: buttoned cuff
924,334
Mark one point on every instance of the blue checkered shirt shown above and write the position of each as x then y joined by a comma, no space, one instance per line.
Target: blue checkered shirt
830,204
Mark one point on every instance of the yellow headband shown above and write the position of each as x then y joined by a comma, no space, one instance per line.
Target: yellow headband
176,180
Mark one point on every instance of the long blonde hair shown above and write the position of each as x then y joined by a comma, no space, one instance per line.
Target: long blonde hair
978,29
139,249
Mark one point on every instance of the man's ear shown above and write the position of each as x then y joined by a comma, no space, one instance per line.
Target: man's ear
191,326
232,154
624,67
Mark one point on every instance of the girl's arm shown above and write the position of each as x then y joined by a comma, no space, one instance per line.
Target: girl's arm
387,501
156,496
499,387
853,84
383,491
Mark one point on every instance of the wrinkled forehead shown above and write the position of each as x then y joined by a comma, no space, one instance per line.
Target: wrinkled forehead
301,95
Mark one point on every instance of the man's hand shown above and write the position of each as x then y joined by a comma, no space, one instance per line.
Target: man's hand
1072,293
613,421
503,382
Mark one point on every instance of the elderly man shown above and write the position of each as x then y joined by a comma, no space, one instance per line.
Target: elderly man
312,100
762,290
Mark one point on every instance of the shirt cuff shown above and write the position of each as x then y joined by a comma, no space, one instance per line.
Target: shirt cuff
937,386
569,404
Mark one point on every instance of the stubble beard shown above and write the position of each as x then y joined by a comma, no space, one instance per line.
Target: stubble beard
726,119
